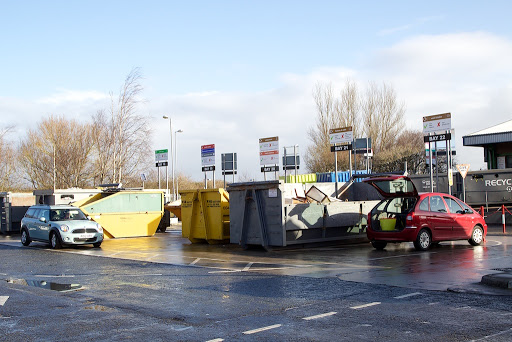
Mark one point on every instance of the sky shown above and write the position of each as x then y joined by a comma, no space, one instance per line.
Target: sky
231,72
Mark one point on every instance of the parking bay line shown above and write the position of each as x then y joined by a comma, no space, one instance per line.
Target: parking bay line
408,295
250,332
365,305
3,299
320,316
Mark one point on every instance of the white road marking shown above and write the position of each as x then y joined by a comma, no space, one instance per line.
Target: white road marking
195,261
182,329
494,335
3,299
365,305
216,340
54,276
320,316
249,332
408,295
246,268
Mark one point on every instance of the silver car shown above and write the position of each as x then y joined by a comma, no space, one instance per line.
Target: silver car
59,225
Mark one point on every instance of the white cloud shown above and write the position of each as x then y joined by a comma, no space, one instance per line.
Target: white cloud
68,96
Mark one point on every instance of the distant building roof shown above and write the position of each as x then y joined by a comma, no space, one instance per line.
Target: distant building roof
501,133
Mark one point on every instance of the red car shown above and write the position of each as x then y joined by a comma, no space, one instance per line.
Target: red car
424,219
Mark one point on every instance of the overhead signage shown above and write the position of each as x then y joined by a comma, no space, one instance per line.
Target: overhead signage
269,151
463,169
161,155
340,135
208,155
272,168
437,123
208,168
340,148
437,137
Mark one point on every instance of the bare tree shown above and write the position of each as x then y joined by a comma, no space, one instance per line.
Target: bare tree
121,135
383,116
8,179
377,115
410,148
56,154
332,112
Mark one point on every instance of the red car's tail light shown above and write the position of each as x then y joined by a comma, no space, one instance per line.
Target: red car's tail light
410,217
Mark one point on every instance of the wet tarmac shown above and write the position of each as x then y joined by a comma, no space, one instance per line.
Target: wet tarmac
449,265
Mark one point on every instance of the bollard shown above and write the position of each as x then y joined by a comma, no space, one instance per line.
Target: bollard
503,216
482,211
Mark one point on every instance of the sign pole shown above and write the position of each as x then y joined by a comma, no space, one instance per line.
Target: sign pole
285,163
336,172
464,188
205,181
158,178
295,160
350,162
449,166
430,166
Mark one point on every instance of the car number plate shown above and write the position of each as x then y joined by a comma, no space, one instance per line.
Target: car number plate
86,236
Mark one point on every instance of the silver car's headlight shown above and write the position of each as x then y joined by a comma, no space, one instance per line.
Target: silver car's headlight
100,228
64,228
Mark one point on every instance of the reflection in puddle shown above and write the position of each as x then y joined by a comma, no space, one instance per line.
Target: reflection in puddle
46,285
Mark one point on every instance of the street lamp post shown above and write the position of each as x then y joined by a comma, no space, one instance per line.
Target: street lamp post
172,159
176,196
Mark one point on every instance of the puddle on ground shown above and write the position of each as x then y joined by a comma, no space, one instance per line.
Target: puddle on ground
49,285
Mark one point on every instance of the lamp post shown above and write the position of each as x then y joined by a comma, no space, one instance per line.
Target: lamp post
172,159
176,161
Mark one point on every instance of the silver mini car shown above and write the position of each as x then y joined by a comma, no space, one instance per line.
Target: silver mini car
59,225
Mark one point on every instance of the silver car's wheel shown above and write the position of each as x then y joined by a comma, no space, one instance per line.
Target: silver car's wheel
423,240
477,237
55,241
25,240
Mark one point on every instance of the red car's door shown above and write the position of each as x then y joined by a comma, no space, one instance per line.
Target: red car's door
439,219
461,220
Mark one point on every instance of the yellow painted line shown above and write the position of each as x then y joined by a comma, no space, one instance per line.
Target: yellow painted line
255,331
320,316
365,305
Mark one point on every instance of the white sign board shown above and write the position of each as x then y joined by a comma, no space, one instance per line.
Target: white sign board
208,155
437,123
341,135
463,169
161,155
269,151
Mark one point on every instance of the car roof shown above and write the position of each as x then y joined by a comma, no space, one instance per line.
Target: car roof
53,206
